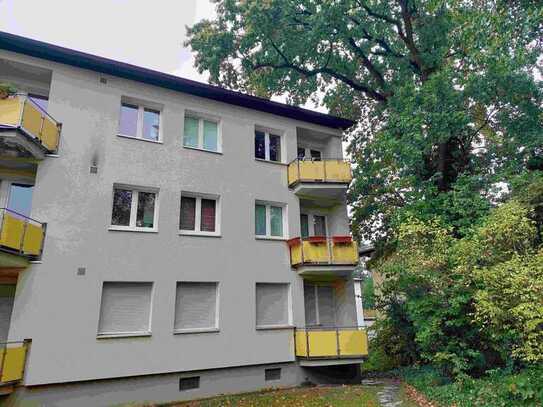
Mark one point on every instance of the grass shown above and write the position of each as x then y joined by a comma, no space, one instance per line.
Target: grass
336,396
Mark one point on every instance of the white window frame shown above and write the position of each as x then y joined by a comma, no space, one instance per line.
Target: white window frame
139,125
134,209
198,214
311,222
289,323
216,327
127,334
201,118
268,205
274,132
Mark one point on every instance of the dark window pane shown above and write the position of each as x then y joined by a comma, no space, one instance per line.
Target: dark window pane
122,201
260,220
151,120
275,148
188,213
319,225
20,199
146,210
316,155
129,120
304,223
301,152
207,220
260,145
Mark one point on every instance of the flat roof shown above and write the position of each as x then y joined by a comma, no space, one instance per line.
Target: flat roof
43,50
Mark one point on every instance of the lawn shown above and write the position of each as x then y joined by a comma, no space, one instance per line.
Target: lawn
337,396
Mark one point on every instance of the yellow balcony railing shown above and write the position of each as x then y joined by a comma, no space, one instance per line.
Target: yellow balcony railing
331,343
317,250
326,170
12,361
22,113
20,234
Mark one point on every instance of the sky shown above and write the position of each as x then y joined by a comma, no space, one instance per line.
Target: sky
148,33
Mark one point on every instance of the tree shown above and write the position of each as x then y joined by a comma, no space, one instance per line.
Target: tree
444,92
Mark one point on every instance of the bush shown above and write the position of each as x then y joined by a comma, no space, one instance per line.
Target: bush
497,388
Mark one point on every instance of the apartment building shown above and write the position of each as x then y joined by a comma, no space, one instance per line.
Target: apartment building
163,239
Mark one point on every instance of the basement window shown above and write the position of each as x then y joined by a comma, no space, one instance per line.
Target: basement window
189,383
272,374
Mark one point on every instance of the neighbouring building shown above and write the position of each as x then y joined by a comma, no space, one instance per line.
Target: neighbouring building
163,239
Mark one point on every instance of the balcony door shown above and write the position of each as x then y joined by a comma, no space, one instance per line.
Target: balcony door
320,305
20,198
313,225
7,297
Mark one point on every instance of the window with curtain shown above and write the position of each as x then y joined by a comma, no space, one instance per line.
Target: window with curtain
267,146
201,133
199,214
269,220
319,225
196,306
133,209
139,122
125,308
272,304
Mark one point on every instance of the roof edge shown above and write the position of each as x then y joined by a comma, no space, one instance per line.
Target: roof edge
55,53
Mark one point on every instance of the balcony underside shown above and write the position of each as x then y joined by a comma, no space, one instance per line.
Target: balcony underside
16,143
324,272
327,193
330,362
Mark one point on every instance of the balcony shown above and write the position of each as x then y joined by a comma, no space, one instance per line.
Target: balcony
12,364
331,345
320,255
27,131
20,237
325,178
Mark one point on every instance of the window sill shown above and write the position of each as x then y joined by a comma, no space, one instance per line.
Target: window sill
124,335
274,327
127,229
203,150
140,139
271,162
280,239
198,234
195,331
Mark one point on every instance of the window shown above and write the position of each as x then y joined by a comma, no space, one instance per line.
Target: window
272,305
269,220
201,133
196,307
189,383
319,225
309,153
139,122
125,309
199,214
304,225
20,198
134,209
319,302
272,374
267,146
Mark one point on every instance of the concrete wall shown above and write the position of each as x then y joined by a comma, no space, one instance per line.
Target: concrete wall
59,309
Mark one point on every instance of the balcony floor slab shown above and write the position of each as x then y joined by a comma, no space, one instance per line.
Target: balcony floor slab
330,362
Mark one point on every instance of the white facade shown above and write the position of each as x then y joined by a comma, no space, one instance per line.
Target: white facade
58,299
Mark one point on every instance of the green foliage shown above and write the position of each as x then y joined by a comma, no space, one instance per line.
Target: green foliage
7,89
368,293
472,303
497,388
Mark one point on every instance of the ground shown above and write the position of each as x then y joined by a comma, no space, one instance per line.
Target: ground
369,394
